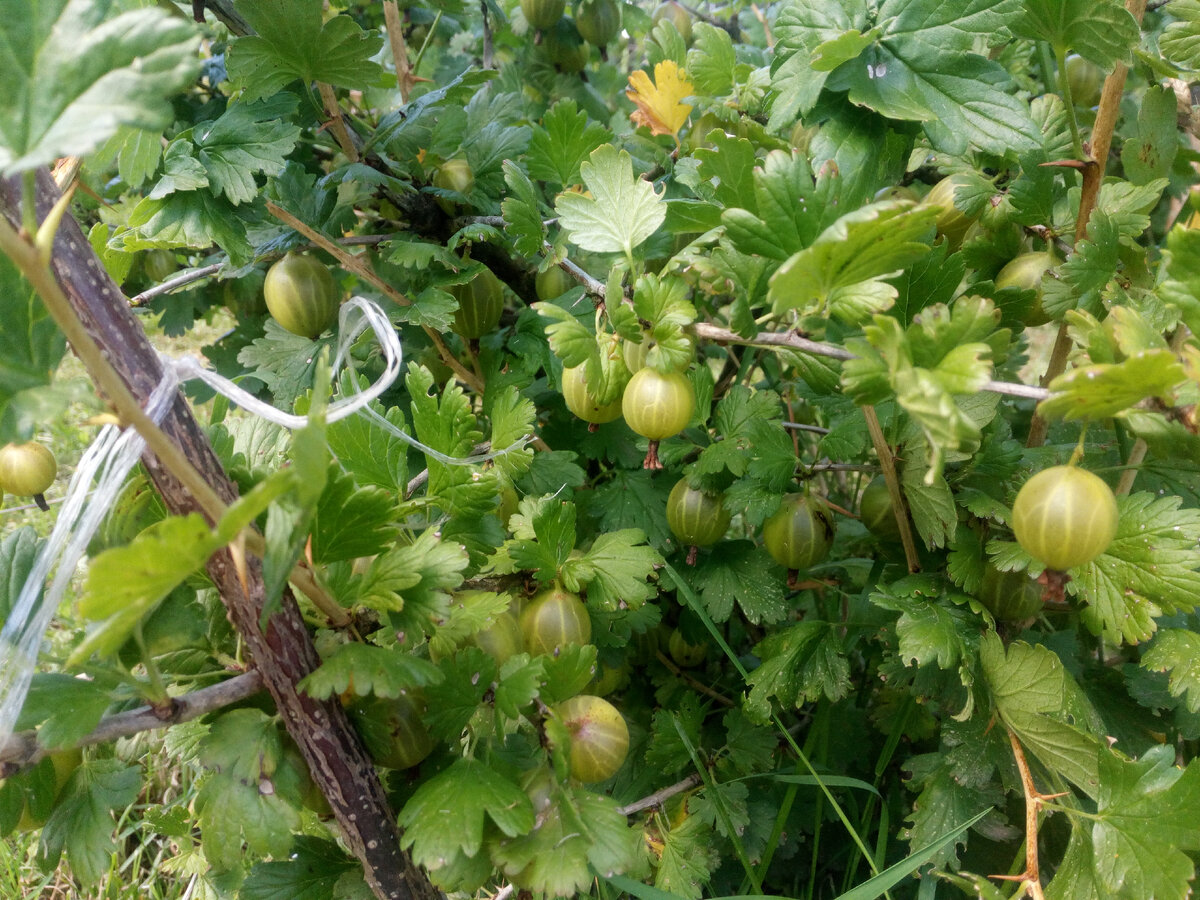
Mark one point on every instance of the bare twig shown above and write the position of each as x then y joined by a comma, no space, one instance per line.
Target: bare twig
1030,879
337,122
183,279
698,685
660,796
1093,175
792,341
899,506
22,750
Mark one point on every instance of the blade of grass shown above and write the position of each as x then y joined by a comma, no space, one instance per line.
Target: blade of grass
893,875
719,803
694,603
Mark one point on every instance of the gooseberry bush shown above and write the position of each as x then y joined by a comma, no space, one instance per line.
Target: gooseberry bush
729,345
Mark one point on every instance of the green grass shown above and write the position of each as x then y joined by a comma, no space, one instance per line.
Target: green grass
149,864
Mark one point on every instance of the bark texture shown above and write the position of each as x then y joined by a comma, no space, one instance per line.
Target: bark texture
282,651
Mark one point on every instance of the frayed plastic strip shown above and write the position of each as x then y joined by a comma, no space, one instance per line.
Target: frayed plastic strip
109,459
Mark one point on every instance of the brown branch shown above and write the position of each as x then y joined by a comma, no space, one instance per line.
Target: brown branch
22,750
279,643
360,267
1030,879
887,464
658,797
695,683
1093,176
337,122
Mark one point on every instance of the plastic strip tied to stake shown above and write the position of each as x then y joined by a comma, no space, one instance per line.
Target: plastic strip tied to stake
108,461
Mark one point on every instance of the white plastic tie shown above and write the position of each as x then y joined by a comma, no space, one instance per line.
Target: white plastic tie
116,451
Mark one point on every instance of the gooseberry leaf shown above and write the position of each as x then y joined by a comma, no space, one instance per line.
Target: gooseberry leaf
375,455
1103,32
1177,652
512,423
71,76
362,669
293,43
944,804
82,822
1149,153
688,856
522,212
1028,686
350,521
616,570
1180,40
729,165
239,804
31,346
447,813
1148,570
544,544
862,246
1138,843
711,60
311,872
622,211
565,140
415,579
738,572
786,211
123,584
800,665
1101,391
247,139
570,340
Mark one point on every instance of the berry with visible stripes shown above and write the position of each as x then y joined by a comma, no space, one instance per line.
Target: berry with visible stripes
582,401
1065,517
696,518
301,295
555,619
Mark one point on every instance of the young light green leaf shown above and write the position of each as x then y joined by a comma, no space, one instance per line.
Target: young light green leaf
620,567
622,212
350,521
123,584
70,80
711,60
862,246
522,211
1102,391
415,579
292,42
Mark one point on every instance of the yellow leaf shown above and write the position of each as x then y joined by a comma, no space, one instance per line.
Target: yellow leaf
659,103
